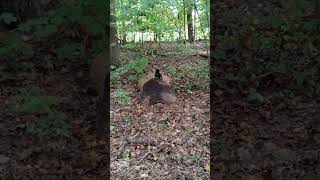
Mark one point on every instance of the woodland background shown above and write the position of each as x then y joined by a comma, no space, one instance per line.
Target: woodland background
264,82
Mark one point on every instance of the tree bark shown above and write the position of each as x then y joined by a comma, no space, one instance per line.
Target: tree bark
134,37
317,8
115,48
155,38
184,21
103,102
194,20
189,21
124,38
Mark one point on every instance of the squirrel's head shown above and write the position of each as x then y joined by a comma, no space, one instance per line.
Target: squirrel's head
157,74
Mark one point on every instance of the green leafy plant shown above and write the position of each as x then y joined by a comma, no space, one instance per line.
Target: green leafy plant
122,97
300,78
197,76
137,65
129,46
67,50
254,96
163,124
8,18
52,125
73,13
134,70
31,101
12,43
170,53
170,69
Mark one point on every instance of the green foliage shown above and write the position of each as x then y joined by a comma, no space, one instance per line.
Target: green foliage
31,101
312,176
53,125
115,76
137,65
90,15
69,49
266,42
170,53
300,78
122,97
254,96
12,43
163,18
283,57
8,18
197,77
37,104
42,26
170,69
134,69
72,12
129,46
163,124
34,24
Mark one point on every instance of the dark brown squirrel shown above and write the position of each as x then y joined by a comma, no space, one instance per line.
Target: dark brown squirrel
157,91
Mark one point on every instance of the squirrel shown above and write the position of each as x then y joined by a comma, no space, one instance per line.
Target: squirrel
157,74
157,91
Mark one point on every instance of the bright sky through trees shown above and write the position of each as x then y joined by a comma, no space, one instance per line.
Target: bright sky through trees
161,18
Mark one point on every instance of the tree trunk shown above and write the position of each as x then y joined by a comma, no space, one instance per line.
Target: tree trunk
207,14
189,21
184,21
103,102
142,40
114,45
124,41
194,20
134,37
317,8
155,38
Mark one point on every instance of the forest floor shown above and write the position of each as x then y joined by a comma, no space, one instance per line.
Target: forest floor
266,105
164,141
48,121
276,140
